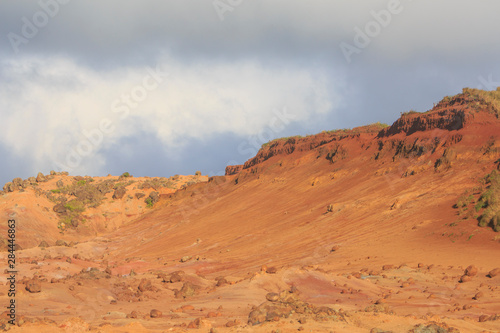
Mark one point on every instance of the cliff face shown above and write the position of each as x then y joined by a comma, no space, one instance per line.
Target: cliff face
450,120
444,125
287,146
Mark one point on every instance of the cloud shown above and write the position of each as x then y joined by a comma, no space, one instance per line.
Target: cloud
133,32
62,114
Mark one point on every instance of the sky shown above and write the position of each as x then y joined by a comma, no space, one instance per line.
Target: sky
158,88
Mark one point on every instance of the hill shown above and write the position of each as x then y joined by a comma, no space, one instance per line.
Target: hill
377,228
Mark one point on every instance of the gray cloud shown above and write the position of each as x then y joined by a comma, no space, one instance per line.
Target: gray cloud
226,76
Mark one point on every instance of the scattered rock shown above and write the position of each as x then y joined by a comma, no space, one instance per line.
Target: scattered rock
494,272
478,295
155,313
18,183
60,242
221,281
59,208
188,289
433,327
471,270
8,187
33,286
173,277
145,285
335,248
132,315
271,270
465,278
152,198
232,323
186,258
43,244
272,297
40,178
119,193
483,318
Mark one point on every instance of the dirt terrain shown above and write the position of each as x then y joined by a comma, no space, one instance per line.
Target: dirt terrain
374,229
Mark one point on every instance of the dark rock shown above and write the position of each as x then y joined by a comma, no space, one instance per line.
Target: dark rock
272,297
59,183
145,285
188,289
155,313
8,187
132,315
60,242
221,281
43,244
233,169
34,286
59,208
139,195
119,192
18,182
152,198
40,178
433,327
494,272
471,270
32,180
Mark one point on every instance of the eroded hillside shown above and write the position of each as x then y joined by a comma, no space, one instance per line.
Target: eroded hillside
374,229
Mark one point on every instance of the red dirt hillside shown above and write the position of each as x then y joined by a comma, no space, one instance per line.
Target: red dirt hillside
375,229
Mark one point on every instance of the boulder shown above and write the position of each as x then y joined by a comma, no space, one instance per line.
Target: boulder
34,286
471,270
119,192
145,285
188,289
40,178
155,313
494,272
59,208
43,244
18,182
8,187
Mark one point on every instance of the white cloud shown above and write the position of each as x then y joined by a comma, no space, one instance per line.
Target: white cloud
48,104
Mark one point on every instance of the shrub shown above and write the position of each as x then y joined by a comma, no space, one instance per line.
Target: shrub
125,175
149,202
75,206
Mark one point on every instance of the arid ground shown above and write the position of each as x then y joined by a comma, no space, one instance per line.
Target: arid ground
374,229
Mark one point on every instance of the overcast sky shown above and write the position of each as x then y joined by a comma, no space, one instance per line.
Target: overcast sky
159,88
